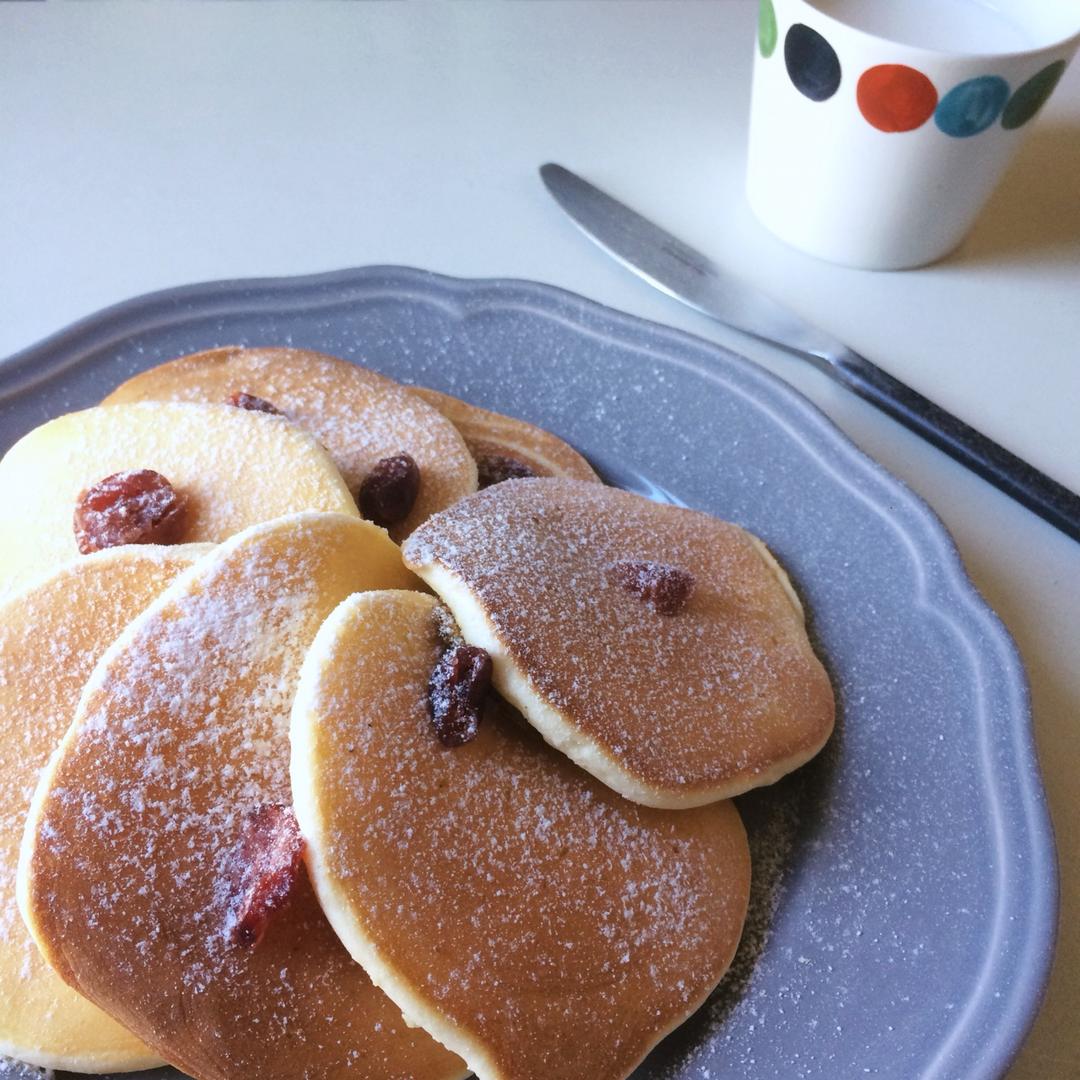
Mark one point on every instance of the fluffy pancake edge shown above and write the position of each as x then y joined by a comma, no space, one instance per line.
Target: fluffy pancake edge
771,561
482,428
310,817
514,685
314,811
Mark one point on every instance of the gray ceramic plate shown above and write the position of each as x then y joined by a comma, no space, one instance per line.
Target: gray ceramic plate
905,900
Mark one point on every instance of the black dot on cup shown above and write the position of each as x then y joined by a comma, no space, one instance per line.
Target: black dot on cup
812,63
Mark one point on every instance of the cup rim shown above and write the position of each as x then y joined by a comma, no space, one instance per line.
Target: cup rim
1068,43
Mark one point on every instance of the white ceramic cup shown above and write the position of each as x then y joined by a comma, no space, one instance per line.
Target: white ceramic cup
879,128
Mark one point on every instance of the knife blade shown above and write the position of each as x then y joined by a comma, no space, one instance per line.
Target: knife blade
687,275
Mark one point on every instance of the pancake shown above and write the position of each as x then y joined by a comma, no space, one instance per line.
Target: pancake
234,468
495,440
51,635
528,917
670,710
360,416
144,829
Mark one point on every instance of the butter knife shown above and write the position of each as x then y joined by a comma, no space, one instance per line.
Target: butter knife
685,274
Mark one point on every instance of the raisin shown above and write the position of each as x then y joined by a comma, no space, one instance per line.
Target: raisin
135,507
456,693
389,491
664,588
252,402
495,468
267,861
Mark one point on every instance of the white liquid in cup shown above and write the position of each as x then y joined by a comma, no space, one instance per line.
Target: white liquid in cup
957,26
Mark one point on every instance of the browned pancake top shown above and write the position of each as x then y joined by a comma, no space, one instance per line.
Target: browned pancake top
51,635
713,697
558,928
182,732
488,433
359,415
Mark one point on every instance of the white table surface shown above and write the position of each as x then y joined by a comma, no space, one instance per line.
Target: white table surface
156,145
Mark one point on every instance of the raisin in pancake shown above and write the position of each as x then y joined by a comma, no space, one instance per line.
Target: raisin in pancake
494,439
51,635
528,917
360,416
670,710
129,863
234,467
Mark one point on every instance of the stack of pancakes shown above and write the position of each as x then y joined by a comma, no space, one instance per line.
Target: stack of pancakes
236,835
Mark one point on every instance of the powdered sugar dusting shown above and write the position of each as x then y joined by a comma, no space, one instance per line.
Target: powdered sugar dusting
360,416
726,688
16,1070
563,926
183,735
489,433
773,820
234,468
50,638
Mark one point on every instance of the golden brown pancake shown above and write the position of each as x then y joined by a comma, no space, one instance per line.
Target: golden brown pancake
235,467
360,416
180,742
527,916
670,710
51,635
491,436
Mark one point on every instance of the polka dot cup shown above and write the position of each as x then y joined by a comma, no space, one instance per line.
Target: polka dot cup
879,128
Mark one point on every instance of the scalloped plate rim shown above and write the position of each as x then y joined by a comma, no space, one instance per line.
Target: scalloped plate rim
987,1057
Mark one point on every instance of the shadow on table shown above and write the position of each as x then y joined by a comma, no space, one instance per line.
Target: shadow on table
1034,215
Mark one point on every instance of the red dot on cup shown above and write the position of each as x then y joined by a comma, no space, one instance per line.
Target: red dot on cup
895,97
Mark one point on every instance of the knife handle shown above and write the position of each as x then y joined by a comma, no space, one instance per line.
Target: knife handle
1052,501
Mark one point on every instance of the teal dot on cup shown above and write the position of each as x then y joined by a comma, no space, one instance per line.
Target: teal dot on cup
1031,97
972,106
812,63
766,33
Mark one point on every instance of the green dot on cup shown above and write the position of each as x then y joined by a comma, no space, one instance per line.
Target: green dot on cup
972,106
766,28
1032,95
